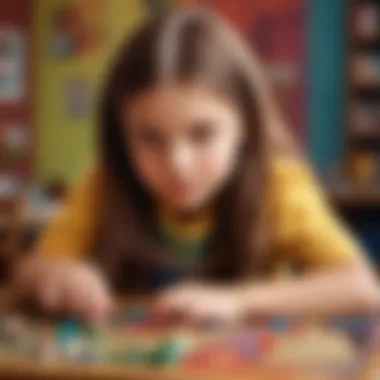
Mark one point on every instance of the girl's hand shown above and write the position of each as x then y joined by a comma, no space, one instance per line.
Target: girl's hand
200,304
64,287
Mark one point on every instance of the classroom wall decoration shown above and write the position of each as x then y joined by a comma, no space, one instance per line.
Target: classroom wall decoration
14,143
78,28
12,65
78,97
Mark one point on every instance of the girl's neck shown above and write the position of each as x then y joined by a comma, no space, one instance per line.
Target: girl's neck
187,224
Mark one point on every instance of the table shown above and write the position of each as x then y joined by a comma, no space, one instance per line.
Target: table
17,368
24,369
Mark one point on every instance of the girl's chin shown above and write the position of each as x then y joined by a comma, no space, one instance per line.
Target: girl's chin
189,206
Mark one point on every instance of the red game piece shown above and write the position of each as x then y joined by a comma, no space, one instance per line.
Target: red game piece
219,356
267,340
299,329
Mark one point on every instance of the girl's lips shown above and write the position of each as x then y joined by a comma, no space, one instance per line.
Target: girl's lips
181,189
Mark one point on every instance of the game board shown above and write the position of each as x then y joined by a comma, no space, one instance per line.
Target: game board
131,339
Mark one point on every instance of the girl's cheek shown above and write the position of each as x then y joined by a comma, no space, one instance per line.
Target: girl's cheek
219,161
149,168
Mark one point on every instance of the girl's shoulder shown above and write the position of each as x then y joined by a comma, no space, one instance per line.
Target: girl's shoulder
291,169
293,180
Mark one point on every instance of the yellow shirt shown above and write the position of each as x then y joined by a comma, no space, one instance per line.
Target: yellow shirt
305,230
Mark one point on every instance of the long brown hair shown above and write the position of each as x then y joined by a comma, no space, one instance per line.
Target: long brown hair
188,46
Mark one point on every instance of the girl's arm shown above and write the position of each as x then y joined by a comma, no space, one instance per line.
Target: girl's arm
351,289
58,275
338,279
72,234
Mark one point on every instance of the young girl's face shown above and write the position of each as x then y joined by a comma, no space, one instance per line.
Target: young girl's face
184,142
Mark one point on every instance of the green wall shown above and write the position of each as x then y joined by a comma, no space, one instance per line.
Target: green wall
65,144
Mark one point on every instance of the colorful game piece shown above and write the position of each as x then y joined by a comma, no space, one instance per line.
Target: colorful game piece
227,359
216,356
70,339
68,331
247,345
267,340
170,352
279,325
132,344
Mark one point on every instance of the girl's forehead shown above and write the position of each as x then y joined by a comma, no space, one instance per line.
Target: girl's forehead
174,96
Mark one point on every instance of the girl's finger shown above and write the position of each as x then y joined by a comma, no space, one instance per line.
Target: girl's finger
97,300
74,297
99,304
49,294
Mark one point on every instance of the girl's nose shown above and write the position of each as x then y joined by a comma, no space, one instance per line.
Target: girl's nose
180,157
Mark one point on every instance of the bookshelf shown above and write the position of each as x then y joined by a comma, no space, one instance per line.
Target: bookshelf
358,182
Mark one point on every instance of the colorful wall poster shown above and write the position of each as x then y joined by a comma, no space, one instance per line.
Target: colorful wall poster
78,95
12,65
78,28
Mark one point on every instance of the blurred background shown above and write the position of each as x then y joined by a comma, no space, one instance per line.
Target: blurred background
323,58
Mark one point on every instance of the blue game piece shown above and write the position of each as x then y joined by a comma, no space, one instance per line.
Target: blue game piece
170,352
68,331
279,325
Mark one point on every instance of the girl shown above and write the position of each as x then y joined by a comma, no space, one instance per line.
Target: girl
198,186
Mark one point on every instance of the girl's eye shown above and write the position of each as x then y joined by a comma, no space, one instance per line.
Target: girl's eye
202,132
150,139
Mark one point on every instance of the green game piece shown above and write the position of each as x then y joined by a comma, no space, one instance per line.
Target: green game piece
170,352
